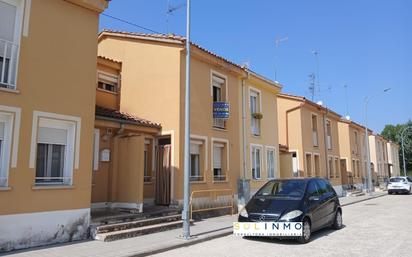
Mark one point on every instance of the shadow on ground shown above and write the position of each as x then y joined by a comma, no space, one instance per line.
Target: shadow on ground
315,236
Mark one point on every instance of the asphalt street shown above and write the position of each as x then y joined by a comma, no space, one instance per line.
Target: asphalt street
378,227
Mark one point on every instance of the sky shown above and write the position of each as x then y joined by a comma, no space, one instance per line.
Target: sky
363,44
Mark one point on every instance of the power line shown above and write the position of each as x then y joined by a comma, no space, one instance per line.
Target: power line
131,23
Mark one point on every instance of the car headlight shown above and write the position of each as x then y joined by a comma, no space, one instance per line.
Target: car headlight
291,215
244,213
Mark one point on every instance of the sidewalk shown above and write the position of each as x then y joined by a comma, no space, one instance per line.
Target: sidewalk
153,243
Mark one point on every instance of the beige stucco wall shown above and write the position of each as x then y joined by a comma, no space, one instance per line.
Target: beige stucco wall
290,130
61,44
268,137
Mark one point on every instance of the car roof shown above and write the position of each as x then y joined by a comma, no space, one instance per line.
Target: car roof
294,178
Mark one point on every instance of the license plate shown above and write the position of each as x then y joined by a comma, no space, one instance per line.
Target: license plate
271,229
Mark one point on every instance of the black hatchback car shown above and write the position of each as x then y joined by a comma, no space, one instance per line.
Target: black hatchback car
312,201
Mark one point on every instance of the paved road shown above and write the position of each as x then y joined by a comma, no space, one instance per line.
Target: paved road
378,227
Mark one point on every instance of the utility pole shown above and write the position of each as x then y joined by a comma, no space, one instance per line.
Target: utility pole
186,182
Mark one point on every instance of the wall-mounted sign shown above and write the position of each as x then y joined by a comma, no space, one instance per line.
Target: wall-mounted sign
105,155
221,110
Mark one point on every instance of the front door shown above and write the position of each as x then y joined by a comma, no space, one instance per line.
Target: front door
163,170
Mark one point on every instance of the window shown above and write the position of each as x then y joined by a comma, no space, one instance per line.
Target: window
255,112
316,158
3,149
218,94
55,152
10,30
329,134
356,140
337,167
322,186
358,168
308,164
108,82
256,159
195,168
315,130
218,172
313,189
270,159
331,168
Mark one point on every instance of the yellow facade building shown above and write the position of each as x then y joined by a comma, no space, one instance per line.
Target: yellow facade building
47,69
153,86
310,131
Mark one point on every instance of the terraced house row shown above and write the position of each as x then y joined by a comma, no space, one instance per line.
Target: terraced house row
93,125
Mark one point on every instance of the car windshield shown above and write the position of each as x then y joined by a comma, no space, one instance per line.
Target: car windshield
394,180
283,188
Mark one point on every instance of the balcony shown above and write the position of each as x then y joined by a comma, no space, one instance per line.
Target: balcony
9,53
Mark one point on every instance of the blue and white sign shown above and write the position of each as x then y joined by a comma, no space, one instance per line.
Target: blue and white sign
221,110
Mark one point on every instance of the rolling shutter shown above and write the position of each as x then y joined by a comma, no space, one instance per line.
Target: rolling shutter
52,136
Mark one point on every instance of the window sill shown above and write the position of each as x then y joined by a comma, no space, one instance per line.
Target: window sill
220,181
257,136
107,91
220,129
8,90
51,187
148,183
5,189
198,182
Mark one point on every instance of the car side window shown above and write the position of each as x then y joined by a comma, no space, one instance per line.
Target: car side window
409,179
323,187
313,189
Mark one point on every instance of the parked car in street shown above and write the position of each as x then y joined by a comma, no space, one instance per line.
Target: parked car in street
312,201
400,185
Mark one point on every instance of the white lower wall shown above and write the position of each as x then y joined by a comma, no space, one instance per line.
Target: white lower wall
19,231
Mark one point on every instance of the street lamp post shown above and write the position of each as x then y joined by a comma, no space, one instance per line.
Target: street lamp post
403,148
186,182
368,157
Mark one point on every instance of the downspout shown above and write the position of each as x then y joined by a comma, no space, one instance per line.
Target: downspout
244,143
325,138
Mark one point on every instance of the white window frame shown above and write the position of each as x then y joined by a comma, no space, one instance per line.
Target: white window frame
201,142
329,137
11,117
313,133
225,144
274,151
254,147
73,126
254,92
109,78
21,11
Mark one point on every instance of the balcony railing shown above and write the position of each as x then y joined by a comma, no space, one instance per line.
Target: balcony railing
9,53
53,180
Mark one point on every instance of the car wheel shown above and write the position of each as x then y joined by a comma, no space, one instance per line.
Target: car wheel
389,192
338,222
306,232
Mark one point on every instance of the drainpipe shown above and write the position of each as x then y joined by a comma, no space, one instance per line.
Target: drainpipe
245,186
326,144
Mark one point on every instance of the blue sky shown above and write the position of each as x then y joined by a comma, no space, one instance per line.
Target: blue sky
364,44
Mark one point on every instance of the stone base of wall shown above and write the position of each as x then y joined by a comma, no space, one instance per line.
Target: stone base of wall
18,231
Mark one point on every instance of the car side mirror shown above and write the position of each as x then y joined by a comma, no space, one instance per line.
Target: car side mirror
313,198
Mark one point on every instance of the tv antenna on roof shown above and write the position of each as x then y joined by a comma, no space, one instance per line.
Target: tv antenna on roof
170,10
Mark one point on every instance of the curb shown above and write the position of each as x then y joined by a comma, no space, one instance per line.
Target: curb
362,200
222,233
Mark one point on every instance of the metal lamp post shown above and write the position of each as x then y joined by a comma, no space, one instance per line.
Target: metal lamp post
403,148
186,182
368,157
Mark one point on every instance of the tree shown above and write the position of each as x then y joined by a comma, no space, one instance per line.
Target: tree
393,133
